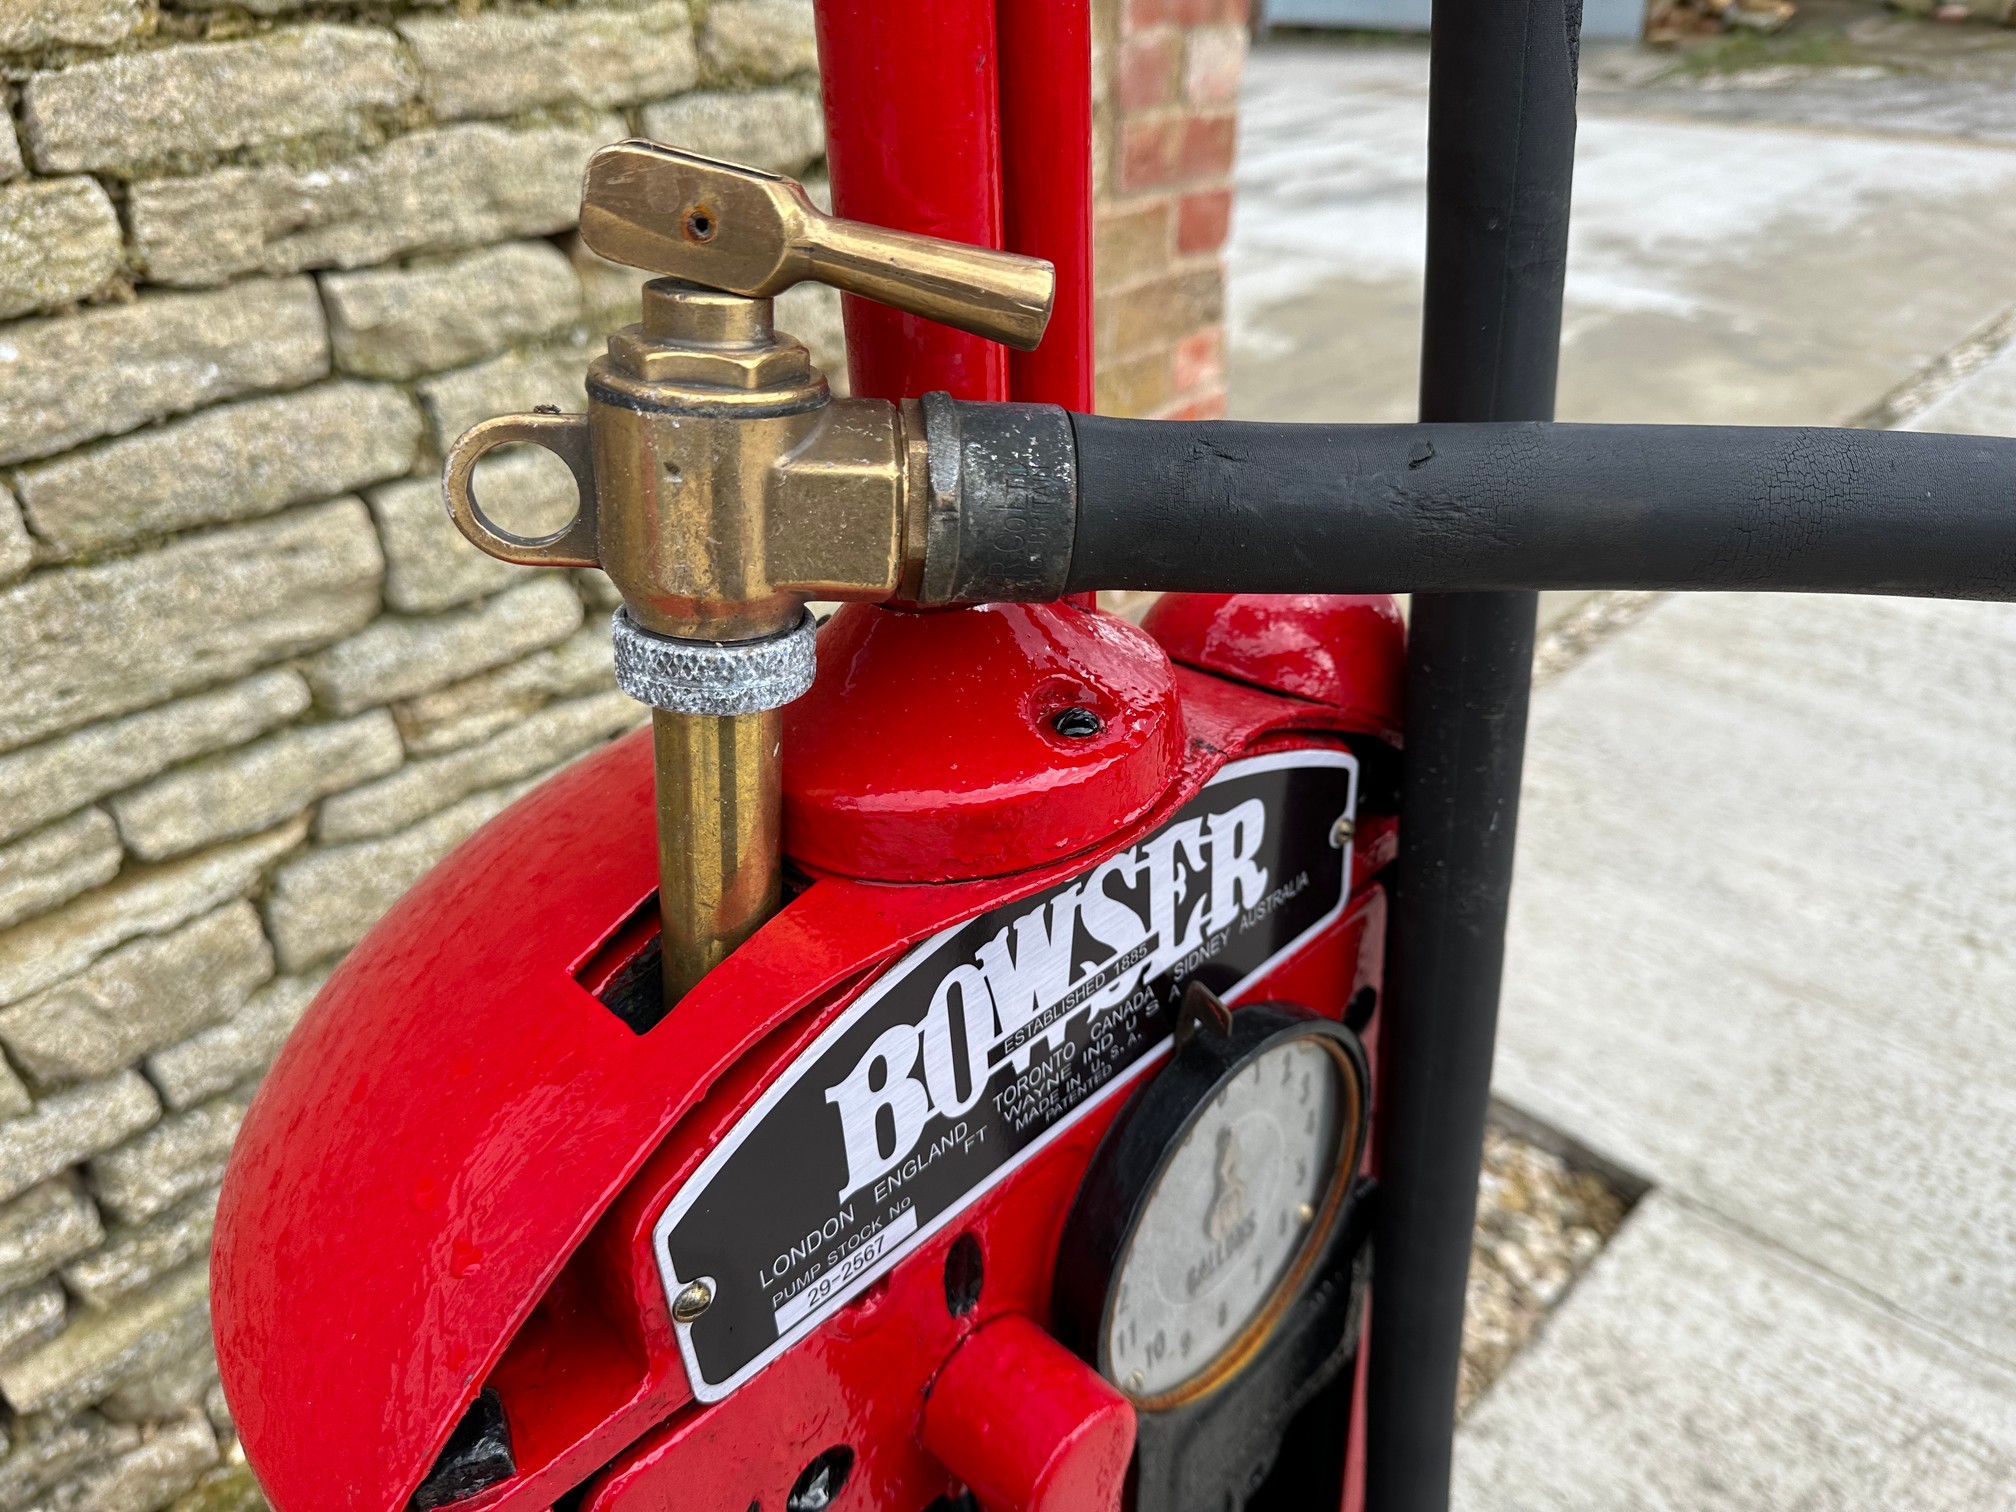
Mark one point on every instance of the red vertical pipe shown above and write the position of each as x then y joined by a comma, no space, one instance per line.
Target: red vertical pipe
1046,184
913,138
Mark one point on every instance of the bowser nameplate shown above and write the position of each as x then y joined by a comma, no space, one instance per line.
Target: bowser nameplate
983,1044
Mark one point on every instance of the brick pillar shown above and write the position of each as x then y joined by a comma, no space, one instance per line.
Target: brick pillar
1168,82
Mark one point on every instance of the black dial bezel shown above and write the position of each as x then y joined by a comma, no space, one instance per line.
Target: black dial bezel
1130,1161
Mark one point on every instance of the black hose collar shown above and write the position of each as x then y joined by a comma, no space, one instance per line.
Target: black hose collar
1003,501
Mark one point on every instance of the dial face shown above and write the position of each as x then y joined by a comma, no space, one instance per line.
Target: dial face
1234,1210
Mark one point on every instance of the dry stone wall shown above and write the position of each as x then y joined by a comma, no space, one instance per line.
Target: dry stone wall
259,264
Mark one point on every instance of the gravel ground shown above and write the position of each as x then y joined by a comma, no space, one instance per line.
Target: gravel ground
1539,1224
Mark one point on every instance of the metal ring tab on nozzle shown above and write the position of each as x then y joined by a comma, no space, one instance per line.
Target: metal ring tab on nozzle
712,677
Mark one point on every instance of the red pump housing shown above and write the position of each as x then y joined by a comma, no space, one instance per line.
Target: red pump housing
449,1178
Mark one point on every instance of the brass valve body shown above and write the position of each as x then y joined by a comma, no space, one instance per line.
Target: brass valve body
728,487
722,486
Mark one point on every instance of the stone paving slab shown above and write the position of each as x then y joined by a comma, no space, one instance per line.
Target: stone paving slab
1763,945
1754,1384
1726,273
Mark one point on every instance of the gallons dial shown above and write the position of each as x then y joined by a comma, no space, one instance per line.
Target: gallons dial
1210,1199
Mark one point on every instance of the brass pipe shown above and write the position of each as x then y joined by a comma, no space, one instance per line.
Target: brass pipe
720,835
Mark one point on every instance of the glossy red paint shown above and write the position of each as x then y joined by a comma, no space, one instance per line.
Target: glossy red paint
963,122
1046,186
913,140
1346,650
1354,1449
865,1378
1026,1425
417,1174
928,749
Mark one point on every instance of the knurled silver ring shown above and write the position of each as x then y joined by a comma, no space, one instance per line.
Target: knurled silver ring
712,677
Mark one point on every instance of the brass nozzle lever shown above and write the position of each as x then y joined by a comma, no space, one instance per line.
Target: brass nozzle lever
749,232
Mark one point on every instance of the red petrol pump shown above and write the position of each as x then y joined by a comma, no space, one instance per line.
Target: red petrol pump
949,1061
474,1252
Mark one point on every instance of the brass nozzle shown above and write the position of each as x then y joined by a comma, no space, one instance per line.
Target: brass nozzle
722,486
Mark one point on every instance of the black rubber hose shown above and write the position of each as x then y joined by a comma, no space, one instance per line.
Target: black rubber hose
1456,508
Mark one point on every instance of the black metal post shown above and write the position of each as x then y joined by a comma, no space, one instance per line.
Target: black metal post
1501,147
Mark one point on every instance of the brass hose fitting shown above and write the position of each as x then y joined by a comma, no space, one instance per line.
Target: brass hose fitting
722,487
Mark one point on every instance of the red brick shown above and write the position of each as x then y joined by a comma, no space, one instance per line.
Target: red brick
1134,387
1132,242
1149,150
1206,150
1173,149
1150,65
1209,406
1141,13
1199,360
1203,220
1214,57
1164,310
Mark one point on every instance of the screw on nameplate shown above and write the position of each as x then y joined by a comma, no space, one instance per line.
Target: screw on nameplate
694,1299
